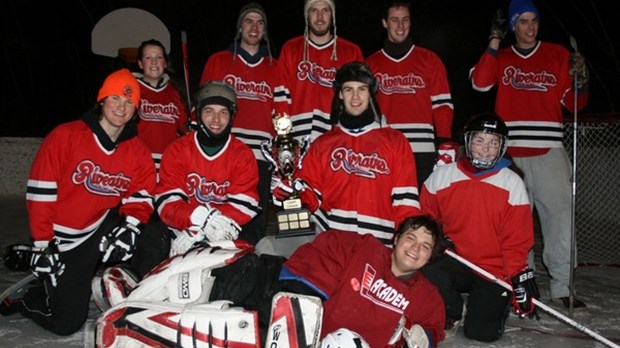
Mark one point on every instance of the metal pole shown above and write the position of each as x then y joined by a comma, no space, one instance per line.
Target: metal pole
573,245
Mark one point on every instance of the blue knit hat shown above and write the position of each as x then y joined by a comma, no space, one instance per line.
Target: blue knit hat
517,8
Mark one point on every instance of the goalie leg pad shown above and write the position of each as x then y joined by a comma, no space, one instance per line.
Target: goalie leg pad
113,287
165,324
154,287
191,286
295,321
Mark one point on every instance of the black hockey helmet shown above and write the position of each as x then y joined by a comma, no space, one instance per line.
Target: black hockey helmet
488,123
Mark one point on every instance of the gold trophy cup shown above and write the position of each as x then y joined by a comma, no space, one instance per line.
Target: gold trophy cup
286,153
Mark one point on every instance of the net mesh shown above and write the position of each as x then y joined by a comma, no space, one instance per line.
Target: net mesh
597,217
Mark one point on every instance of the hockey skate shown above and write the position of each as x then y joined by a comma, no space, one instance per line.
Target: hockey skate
11,297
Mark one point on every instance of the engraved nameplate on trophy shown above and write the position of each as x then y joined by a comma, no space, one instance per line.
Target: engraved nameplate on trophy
286,153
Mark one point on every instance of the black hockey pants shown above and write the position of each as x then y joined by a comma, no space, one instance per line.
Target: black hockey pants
487,303
64,309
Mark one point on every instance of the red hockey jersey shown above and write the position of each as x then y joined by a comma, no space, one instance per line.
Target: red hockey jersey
531,91
189,177
304,89
75,181
487,216
163,116
362,294
254,85
365,182
414,96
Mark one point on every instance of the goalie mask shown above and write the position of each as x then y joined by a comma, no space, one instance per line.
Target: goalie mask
486,140
344,338
218,93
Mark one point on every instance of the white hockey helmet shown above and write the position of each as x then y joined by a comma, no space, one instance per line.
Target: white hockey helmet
344,338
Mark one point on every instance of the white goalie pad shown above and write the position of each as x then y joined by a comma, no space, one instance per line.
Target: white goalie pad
164,324
187,278
113,286
295,321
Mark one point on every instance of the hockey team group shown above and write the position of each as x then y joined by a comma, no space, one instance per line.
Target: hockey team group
158,209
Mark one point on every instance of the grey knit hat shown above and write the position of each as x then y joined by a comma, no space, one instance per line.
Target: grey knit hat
249,8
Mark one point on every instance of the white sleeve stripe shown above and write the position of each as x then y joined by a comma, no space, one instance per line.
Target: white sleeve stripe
40,198
42,184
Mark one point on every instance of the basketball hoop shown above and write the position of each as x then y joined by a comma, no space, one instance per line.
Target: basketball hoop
128,54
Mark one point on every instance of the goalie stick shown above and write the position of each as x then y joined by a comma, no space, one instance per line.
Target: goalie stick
541,305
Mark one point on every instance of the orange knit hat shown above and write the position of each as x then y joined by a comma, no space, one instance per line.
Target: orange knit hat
121,83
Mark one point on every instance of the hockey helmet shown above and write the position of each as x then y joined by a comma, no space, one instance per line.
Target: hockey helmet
216,92
488,123
344,338
219,93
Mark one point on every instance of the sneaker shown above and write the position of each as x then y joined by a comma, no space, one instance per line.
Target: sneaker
11,298
566,302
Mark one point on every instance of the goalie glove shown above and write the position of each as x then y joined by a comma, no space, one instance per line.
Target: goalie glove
498,26
416,337
524,291
446,153
45,261
120,244
212,224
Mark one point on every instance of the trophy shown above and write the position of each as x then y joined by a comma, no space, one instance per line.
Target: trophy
286,153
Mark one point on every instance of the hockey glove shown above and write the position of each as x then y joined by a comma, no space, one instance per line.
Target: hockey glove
183,241
45,261
416,337
17,257
524,291
120,244
284,190
498,26
578,69
298,188
446,153
212,224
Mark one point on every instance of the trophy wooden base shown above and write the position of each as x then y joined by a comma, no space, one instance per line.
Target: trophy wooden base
293,220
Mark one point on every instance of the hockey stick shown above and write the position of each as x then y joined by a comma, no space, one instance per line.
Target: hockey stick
573,243
17,286
190,121
541,305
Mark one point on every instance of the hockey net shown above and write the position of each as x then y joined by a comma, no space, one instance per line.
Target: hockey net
597,218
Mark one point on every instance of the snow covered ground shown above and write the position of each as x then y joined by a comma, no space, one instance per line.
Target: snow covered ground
599,287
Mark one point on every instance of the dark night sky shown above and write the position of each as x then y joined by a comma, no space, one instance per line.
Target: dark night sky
51,76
